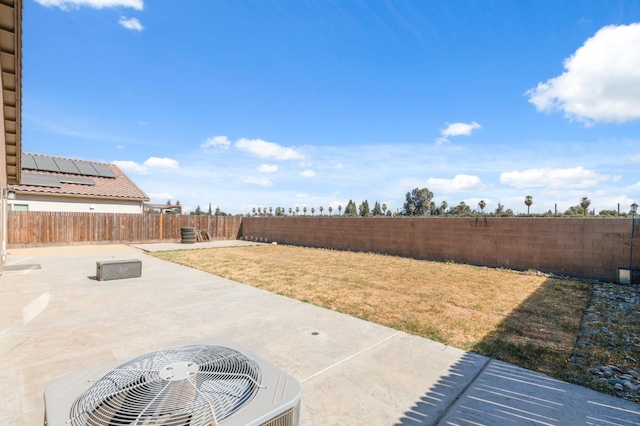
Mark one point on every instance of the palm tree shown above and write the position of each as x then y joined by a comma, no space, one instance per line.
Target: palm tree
321,209
340,209
313,211
290,211
304,210
254,211
528,200
443,207
384,208
270,210
482,205
585,202
330,210
297,209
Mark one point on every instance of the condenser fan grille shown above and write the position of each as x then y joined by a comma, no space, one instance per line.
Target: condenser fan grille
181,386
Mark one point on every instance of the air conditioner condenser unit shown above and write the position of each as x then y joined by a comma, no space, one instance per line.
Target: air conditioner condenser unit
215,382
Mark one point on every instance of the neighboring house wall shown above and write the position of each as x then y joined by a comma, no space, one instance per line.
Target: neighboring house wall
29,202
57,184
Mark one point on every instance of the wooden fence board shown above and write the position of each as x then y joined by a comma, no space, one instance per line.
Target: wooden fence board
40,228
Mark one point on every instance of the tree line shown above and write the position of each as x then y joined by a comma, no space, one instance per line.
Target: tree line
418,202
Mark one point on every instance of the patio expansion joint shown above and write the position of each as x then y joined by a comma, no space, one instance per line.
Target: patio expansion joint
481,370
352,356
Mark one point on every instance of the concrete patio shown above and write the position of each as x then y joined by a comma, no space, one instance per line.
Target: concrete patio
56,318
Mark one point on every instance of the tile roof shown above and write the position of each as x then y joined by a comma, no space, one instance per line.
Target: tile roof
119,188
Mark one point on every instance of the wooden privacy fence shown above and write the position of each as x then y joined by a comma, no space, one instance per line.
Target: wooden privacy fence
33,228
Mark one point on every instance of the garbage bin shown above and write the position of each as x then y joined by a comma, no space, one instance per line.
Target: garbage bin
188,235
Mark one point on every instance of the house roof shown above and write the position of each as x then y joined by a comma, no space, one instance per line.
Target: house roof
11,76
89,179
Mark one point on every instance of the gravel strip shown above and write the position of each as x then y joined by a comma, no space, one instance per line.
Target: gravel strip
607,349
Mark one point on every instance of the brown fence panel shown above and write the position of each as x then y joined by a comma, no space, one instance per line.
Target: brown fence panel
43,228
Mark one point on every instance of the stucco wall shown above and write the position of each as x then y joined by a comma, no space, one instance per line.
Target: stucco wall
75,204
580,247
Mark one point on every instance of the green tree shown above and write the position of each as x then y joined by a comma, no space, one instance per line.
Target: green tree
351,209
297,210
330,210
198,210
585,202
528,200
209,212
377,210
499,209
304,210
443,207
482,205
420,199
364,209
290,211
384,208
461,209
321,210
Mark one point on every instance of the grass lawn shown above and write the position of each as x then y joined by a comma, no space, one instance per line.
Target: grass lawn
525,319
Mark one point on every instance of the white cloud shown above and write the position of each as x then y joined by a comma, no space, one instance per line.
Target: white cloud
216,142
307,173
118,147
601,82
574,178
96,4
302,195
145,168
268,168
458,184
131,23
160,196
635,158
264,149
131,167
162,163
457,129
258,181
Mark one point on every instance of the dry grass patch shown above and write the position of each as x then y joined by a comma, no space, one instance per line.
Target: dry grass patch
527,319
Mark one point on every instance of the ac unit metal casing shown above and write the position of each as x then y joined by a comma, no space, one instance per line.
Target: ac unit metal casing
275,401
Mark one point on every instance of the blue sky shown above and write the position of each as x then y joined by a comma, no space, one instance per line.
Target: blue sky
246,104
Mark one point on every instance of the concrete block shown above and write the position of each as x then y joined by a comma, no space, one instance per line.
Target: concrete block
118,269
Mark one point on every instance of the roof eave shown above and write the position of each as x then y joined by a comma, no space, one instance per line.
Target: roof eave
11,74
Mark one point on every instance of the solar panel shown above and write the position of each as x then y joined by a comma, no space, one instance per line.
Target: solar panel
28,163
103,170
85,168
39,180
76,180
46,164
66,166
